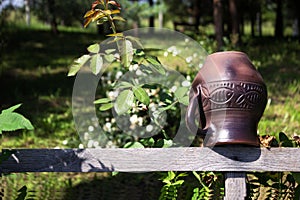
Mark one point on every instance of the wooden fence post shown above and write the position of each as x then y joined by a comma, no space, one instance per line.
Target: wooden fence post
235,186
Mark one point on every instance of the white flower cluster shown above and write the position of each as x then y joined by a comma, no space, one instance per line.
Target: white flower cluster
173,50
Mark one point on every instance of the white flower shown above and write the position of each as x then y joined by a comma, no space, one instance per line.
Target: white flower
133,67
80,146
166,53
113,94
188,77
119,74
65,142
134,119
149,128
90,143
117,56
185,83
139,72
107,127
189,59
86,136
173,88
140,121
91,128
96,144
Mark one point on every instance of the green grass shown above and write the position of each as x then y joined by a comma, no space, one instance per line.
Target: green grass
33,69
279,63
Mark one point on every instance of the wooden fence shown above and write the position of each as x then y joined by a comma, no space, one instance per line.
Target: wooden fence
233,161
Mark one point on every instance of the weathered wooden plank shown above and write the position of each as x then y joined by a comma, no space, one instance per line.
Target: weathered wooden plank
230,159
235,186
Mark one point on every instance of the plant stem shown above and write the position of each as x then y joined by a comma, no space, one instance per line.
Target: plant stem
112,24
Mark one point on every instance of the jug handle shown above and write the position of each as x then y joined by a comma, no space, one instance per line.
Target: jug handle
190,116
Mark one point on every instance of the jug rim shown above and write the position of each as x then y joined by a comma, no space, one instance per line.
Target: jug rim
229,52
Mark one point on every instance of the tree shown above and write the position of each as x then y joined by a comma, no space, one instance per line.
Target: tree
151,18
27,12
279,20
218,22
235,21
52,16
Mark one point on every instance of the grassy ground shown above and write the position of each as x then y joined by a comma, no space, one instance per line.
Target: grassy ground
34,65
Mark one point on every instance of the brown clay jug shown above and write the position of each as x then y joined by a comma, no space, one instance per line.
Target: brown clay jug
227,100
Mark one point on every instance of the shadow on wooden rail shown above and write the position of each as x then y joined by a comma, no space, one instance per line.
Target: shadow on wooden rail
226,159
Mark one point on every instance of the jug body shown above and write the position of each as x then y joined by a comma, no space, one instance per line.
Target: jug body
229,96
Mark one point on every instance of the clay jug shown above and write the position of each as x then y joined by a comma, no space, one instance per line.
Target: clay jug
227,100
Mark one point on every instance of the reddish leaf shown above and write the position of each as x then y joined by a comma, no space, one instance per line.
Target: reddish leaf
87,21
94,4
114,3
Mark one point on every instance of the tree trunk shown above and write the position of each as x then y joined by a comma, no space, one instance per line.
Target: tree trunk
53,22
160,19
197,14
252,21
151,18
27,12
235,31
279,20
218,22
259,22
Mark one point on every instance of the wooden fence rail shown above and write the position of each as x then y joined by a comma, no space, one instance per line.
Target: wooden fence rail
233,161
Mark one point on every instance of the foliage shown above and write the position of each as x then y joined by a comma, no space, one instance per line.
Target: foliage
11,121
131,95
66,12
172,182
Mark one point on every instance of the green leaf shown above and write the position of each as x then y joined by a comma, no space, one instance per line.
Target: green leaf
296,176
119,18
115,35
106,106
141,95
133,145
102,20
179,182
149,142
135,39
78,63
123,84
283,140
11,109
102,100
181,92
124,102
11,121
94,48
171,175
22,193
110,51
184,100
126,53
155,64
163,143
96,63
109,56
171,106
